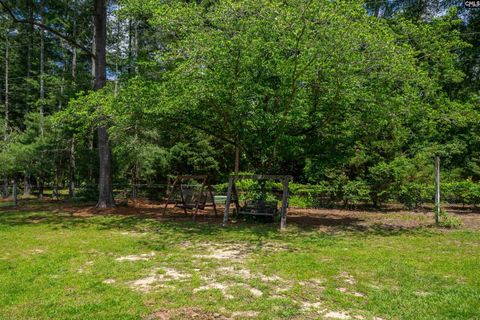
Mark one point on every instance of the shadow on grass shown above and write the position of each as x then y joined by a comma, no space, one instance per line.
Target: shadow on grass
62,215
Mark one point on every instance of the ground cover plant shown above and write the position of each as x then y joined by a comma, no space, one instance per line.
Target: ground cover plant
73,262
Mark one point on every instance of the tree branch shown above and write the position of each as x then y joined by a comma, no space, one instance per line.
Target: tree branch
46,28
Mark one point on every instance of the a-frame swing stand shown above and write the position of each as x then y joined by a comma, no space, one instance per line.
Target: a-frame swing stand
232,190
191,201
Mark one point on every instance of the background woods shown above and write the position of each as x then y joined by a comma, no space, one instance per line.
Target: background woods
353,99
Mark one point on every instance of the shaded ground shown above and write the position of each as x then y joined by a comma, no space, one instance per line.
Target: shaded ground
390,218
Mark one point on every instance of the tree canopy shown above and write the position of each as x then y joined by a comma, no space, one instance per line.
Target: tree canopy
357,93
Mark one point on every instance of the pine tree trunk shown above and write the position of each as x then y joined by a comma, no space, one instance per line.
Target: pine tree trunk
14,190
117,57
62,81
41,186
7,111
91,139
105,197
74,55
129,46
55,184
136,47
42,82
27,187
5,192
30,44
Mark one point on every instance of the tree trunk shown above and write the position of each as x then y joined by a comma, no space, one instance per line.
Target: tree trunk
27,187
62,81
5,193
71,185
42,82
94,49
117,58
129,45
91,139
30,45
14,190
74,55
41,186
55,184
5,129
237,160
105,194
136,47
105,197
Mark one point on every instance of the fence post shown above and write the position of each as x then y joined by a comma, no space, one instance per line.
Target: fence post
283,218
437,189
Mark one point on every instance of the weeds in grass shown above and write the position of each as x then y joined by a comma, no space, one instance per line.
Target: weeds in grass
448,221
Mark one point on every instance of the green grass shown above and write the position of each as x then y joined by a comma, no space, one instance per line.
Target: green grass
53,266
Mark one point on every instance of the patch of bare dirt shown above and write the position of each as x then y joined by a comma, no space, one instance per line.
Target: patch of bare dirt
245,314
391,218
139,257
337,315
184,314
156,279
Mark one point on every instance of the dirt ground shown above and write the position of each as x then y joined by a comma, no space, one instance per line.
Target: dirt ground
391,217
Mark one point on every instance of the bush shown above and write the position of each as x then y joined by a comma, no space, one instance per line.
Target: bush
464,192
87,193
412,195
301,202
355,192
448,221
318,195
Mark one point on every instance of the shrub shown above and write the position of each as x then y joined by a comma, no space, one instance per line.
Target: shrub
412,195
300,202
313,195
448,221
464,192
355,192
87,192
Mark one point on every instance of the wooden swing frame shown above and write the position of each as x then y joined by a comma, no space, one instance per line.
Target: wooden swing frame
233,189
178,182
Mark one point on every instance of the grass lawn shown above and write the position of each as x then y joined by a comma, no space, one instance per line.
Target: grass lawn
55,264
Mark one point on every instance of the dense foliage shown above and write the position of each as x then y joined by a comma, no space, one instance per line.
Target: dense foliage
352,98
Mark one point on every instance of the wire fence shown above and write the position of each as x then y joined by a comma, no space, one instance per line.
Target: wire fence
122,192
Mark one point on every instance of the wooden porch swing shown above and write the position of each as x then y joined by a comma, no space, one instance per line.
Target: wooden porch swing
259,207
191,197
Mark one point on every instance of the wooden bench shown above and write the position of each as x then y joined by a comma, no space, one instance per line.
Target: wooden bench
259,208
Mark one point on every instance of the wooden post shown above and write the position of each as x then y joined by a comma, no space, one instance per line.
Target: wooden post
183,198
210,191
235,198
170,193
197,203
227,204
437,189
283,220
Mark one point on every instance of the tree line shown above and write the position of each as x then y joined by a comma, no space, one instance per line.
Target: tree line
351,93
